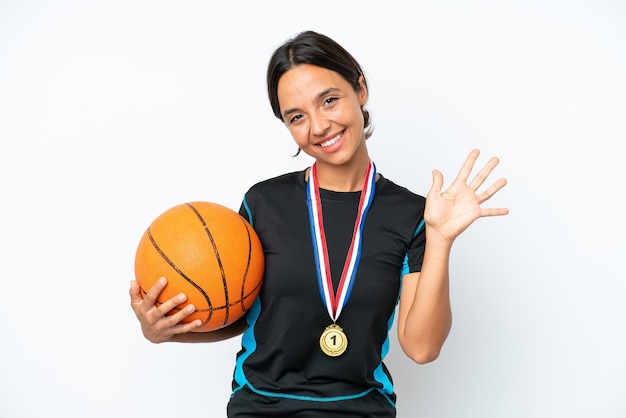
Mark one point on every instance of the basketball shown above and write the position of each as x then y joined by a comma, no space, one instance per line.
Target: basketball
210,253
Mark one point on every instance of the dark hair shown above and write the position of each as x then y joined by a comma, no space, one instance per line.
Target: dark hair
314,48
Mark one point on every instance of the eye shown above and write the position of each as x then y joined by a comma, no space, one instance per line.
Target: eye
330,100
295,119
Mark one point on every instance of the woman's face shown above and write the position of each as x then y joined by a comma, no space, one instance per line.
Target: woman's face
323,113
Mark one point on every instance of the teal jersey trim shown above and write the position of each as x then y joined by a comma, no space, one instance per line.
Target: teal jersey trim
419,228
405,262
379,374
405,266
247,208
248,341
309,398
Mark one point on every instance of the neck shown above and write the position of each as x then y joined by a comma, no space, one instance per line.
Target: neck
343,178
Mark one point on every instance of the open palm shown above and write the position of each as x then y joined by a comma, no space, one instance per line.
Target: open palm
452,211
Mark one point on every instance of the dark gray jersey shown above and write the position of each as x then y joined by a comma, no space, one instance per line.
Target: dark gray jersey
281,356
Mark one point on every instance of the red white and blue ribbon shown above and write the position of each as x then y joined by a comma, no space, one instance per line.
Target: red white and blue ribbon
335,302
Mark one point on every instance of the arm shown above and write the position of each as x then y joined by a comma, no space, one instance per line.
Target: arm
158,327
425,315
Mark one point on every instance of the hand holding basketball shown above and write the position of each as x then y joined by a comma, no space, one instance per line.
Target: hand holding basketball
156,325
211,258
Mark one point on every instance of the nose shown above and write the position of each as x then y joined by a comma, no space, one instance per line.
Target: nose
319,123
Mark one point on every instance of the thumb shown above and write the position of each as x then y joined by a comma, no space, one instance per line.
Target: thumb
437,182
135,293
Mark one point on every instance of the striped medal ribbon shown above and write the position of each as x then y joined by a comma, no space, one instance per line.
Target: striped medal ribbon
333,340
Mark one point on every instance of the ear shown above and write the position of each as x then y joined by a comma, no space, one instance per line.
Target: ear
362,93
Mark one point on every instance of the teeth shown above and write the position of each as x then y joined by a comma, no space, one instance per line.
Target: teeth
330,141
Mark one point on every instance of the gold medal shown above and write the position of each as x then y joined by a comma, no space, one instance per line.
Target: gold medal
333,341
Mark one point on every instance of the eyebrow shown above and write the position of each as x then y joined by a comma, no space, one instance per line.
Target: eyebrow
319,96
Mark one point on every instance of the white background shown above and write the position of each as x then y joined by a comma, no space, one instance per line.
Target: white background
113,111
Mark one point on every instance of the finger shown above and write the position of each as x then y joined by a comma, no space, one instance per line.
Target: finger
492,190
176,320
482,175
437,182
181,328
484,212
152,295
191,326
468,165
487,194
171,305
135,293
186,327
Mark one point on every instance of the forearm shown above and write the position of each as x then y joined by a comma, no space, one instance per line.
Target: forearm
429,317
230,331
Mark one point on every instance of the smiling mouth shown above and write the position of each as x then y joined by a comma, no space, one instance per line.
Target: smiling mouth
331,141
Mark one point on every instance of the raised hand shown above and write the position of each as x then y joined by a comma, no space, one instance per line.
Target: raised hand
452,211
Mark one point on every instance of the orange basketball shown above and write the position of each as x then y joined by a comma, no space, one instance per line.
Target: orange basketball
210,253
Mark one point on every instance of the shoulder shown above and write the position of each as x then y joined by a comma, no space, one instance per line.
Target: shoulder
273,200
398,194
277,184
276,192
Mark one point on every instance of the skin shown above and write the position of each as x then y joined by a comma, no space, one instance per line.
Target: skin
319,107
425,316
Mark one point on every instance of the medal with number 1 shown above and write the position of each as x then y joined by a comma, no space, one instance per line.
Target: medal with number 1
333,340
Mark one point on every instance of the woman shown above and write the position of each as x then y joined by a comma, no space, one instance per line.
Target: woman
343,245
